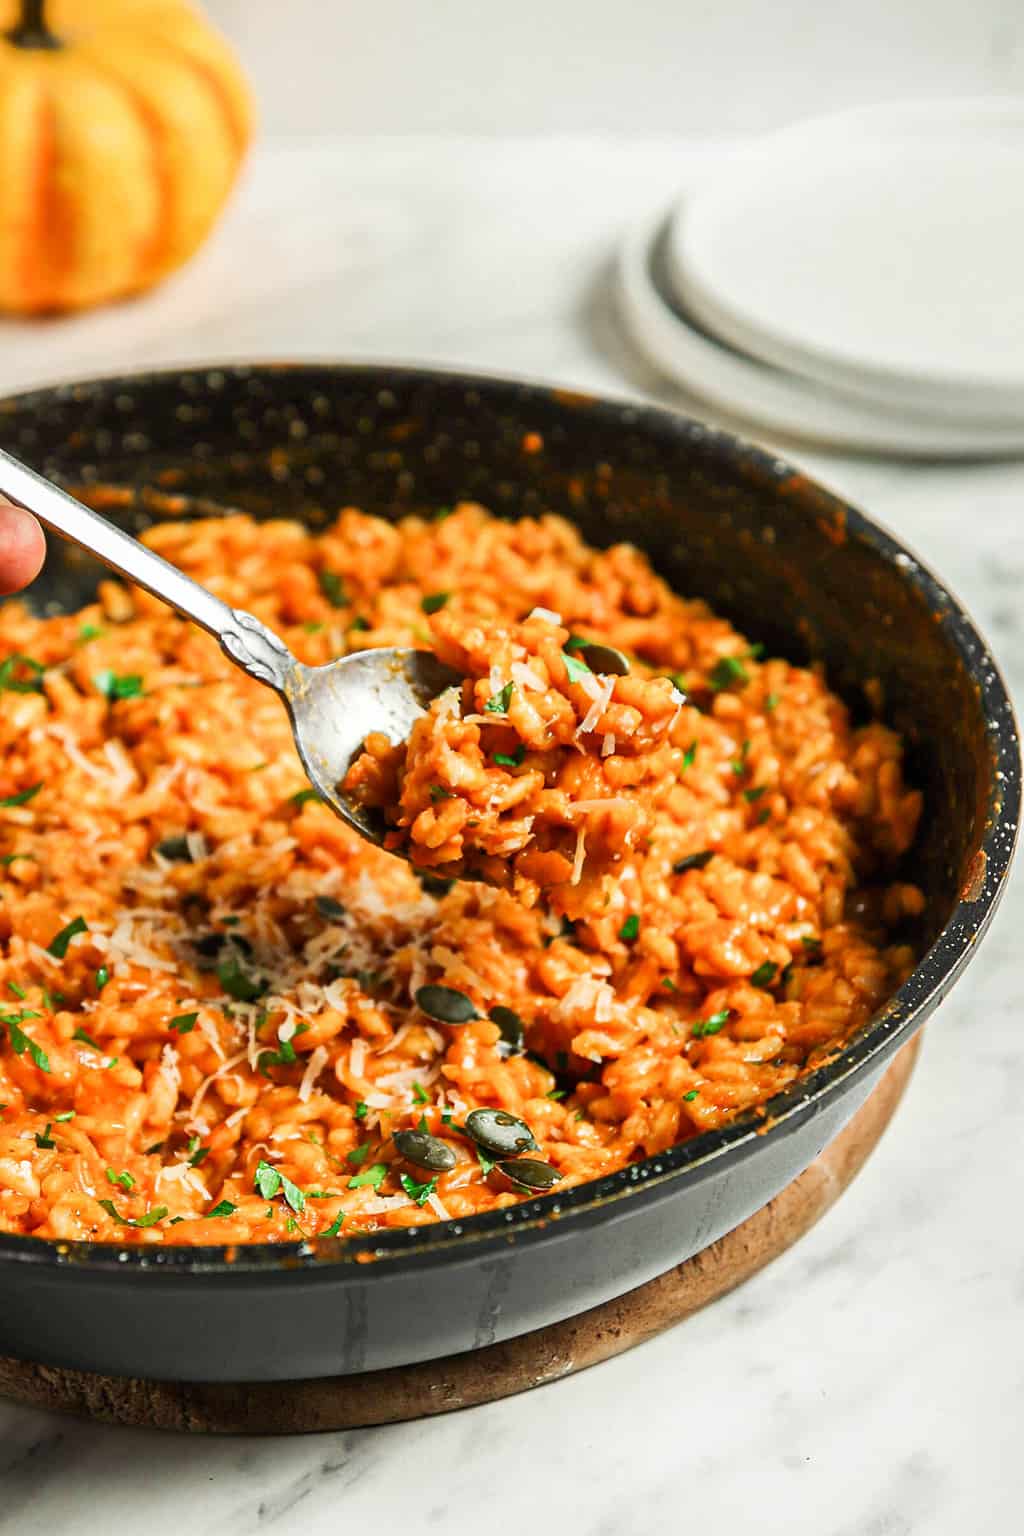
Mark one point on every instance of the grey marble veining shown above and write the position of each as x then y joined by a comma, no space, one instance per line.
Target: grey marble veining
871,1382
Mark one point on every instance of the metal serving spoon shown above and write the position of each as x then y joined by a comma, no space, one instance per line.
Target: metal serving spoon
331,708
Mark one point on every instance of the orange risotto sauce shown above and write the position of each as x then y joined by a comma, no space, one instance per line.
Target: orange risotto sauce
219,1008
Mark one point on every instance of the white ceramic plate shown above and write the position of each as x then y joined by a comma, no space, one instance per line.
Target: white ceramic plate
879,251
765,396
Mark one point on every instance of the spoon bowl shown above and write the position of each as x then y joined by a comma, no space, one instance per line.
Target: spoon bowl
332,709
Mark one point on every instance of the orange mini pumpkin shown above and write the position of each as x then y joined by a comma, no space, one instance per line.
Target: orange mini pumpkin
122,127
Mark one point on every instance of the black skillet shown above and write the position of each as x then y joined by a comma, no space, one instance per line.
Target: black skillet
793,566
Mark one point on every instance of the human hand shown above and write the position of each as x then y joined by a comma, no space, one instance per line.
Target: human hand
22,548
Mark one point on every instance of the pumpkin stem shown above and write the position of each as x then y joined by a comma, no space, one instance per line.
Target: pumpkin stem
31,30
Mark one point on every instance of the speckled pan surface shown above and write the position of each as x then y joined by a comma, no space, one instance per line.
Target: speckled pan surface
796,568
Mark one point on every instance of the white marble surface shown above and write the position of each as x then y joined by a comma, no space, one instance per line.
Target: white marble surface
871,1382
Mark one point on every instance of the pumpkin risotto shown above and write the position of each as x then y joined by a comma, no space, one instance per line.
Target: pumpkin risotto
227,1019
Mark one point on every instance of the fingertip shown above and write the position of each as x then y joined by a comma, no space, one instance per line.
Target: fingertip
22,549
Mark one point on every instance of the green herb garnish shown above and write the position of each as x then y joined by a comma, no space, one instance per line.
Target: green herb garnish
688,756
765,974
420,1193
726,671
113,686
22,798
269,1181
64,1116
373,1177
335,1226
511,759
149,1220
11,682
434,601
19,992
688,1098
124,1179
46,1140
301,796
58,945
754,794
630,928
20,1042
438,792
198,1155
333,588
576,670
693,861
90,632
184,1023
771,702
499,702
222,1208
80,1034
237,983
361,1110
102,977
712,1025
420,1094
358,1155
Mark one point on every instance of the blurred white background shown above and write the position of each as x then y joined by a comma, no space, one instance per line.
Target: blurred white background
688,67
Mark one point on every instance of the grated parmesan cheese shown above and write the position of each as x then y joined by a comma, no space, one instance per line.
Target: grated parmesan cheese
526,677
545,613
314,1067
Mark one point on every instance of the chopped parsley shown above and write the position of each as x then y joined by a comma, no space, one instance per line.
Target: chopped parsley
765,974
771,702
149,1220
372,1177
358,1155
739,764
58,945
237,984
361,1110
712,1025
22,798
433,601
13,677
329,909
811,944
689,755
90,632
438,792
10,858
754,794
19,992
303,795
333,588
499,702
313,626
198,1155
64,1116
124,1179
726,671
114,686
222,1208
102,977
419,1094
688,1098
46,1140
630,929
270,1181
576,670
420,1193
359,623
486,1162
81,1035
335,1226
20,1042
511,759
184,1023
693,861
669,984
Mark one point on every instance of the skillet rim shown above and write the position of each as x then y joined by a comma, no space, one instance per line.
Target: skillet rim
557,1215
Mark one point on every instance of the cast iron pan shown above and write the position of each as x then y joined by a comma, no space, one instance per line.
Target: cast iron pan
792,565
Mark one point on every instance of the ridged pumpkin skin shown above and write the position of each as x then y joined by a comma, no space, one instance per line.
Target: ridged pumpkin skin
118,148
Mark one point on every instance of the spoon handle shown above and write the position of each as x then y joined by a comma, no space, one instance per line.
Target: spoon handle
243,637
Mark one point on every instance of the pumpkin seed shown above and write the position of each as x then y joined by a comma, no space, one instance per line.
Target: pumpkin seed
425,1151
445,1004
530,1173
513,1037
498,1132
175,848
605,659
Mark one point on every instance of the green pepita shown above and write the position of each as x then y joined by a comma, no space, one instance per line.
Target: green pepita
530,1173
513,1036
445,1004
604,659
498,1132
425,1151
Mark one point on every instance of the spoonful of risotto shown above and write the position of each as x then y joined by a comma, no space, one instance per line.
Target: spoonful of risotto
333,708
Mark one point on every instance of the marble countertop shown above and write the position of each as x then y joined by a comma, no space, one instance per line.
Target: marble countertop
869,1383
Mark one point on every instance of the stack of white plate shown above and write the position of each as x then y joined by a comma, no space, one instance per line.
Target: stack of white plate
857,281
